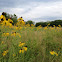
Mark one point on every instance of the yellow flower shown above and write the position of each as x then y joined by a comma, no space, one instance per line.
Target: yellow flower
10,21
7,34
23,22
22,44
6,23
21,51
54,25
56,54
20,19
45,27
5,52
49,24
20,28
2,17
19,42
59,25
52,52
13,34
25,48
32,25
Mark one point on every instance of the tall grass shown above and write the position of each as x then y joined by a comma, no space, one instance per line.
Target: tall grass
39,42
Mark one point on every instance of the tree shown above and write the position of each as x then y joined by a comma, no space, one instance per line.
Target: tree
56,22
29,22
43,24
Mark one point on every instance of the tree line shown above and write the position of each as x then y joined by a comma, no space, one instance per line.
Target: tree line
43,24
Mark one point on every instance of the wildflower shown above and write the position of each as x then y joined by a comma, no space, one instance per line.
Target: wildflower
52,52
56,54
20,45
5,52
10,21
19,42
2,17
45,27
16,28
20,19
25,48
7,34
13,34
6,23
49,24
21,51
59,25
32,25
54,25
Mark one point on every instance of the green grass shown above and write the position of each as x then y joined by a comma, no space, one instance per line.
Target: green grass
39,43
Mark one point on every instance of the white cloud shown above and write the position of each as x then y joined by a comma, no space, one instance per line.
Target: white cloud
45,9
37,10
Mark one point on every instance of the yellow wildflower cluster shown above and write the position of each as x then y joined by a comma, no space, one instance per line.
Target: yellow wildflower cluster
45,27
10,21
53,53
48,24
5,52
20,22
32,25
16,27
15,34
23,48
2,18
12,34
5,22
5,34
21,44
59,25
27,25
54,25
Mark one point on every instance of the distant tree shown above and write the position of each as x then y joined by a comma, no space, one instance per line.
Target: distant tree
56,22
14,18
29,22
43,24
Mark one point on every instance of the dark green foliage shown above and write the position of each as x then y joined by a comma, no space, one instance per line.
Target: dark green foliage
29,22
14,18
43,24
56,23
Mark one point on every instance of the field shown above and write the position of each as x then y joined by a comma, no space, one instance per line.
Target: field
30,44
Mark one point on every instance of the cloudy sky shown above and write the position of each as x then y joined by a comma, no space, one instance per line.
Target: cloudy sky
35,10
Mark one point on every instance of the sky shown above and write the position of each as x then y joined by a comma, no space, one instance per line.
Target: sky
35,10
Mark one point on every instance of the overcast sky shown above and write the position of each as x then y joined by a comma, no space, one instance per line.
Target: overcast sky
35,10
